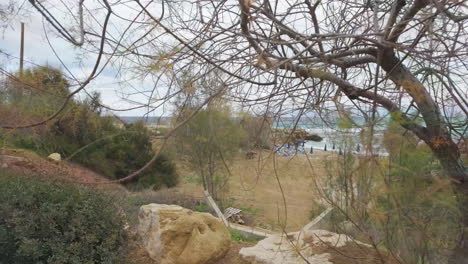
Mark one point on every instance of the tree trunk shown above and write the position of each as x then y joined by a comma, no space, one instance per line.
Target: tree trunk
437,136
447,152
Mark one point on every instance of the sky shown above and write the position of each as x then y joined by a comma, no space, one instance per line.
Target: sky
37,51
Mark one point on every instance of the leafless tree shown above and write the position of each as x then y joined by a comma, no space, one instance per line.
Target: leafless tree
405,56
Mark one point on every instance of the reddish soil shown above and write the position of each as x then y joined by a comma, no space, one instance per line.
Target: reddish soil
29,163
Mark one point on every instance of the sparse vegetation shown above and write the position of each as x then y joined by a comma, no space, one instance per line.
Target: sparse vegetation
252,211
202,208
211,139
401,195
237,236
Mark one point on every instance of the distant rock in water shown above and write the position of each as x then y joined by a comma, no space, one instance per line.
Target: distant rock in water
313,137
296,135
174,235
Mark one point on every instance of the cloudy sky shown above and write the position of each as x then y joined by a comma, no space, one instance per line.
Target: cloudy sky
114,92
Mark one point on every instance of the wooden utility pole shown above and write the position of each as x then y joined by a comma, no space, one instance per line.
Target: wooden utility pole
22,50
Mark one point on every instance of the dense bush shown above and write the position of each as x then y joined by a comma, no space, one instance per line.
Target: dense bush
47,222
128,151
161,172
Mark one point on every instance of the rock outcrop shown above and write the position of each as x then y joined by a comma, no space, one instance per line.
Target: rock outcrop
316,246
174,235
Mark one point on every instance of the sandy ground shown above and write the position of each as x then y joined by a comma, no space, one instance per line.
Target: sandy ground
254,185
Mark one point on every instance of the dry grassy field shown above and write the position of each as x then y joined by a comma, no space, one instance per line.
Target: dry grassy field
258,185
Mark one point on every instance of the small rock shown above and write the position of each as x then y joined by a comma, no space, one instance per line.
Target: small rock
55,157
4,165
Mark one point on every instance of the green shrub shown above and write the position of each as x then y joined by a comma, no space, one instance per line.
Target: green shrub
49,222
166,168
129,152
202,208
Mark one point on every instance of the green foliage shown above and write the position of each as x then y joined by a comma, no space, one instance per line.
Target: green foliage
48,222
33,91
118,156
110,150
424,216
237,236
161,172
344,123
213,132
257,129
400,202
202,208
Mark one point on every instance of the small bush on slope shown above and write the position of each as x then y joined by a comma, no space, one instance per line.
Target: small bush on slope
49,222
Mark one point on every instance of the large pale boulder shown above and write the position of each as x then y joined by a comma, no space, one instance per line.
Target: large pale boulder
174,235
316,246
